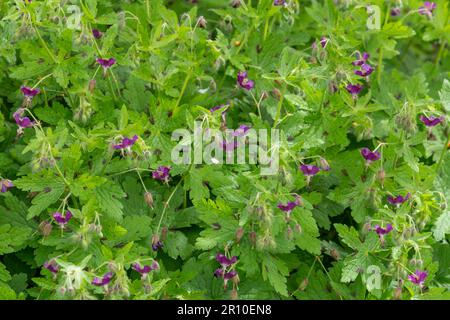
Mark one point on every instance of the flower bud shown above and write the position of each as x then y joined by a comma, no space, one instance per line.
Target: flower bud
148,197
45,228
201,22
381,176
303,285
92,84
335,254
324,164
234,294
236,3
239,234
276,93
398,293
252,237
298,228
289,233
164,232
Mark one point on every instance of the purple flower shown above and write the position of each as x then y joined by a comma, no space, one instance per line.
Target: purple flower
279,2
106,63
431,121
62,220
218,273
365,68
99,282
157,245
29,92
145,269
97,33
427,8
245,82
369,155
397,201
418,277
217,108
241,131
162,173
51,266
396,11
309,170
5,185
224,261
354,89
382,231
230,275
323,41
288,207
22,122
126,143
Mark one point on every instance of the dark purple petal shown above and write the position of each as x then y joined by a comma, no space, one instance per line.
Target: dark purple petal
241,131
158,245
396,11
398,200
224,261
230,275
106,279
369,155
162,173
279,2
309,170
60,219
5,185
106,63
288,207
418,277
244,82
218,273
51,266
97,33
142,269
29,92
383,231
126,143
354,89
217,108
431,121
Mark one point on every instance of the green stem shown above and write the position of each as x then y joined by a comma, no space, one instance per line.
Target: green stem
439,55
277,117
442,157
186,81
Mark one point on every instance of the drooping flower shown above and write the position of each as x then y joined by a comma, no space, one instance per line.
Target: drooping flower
241,131
97,33
103,281
51,266
396,11
354,89
397,201
290,205
309,170
29,92
431,121
324,41
162,173
365,68
5,185
244,81
383,231
144,270
427,8
126,143
106,63
157,245
62,220
370,155
224,261
22,122
279,2
219,273
418,277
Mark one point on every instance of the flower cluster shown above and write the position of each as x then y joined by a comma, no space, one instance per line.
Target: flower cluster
227,272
